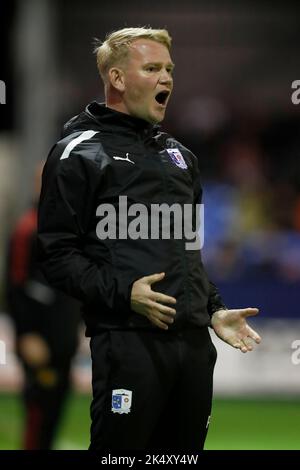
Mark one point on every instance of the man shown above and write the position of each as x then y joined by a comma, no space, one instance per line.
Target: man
46,324
147,300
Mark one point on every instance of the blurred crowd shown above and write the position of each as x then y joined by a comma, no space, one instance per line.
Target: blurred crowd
251,179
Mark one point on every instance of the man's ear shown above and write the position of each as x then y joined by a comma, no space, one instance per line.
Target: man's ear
117,78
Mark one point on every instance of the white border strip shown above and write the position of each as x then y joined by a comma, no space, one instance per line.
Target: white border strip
71,145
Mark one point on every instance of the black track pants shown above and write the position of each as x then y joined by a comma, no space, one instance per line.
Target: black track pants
151,390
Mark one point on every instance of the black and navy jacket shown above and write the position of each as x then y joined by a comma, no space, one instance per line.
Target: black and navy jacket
105,154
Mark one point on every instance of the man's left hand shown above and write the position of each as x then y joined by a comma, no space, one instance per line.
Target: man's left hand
231,327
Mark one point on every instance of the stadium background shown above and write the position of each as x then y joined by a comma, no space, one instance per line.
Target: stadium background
236,62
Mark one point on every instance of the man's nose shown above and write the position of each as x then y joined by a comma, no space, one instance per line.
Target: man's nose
166,77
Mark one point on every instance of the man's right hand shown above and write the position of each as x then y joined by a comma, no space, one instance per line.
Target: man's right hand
150,303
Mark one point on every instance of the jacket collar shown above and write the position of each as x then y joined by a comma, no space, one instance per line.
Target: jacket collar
113,120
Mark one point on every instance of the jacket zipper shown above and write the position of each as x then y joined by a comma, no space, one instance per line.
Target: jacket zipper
183,256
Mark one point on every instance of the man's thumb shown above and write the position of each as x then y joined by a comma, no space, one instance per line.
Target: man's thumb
250,312
154,278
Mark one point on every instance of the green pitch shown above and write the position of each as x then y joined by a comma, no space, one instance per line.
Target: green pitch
235,424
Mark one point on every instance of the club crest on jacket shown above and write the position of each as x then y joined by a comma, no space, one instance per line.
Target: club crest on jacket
177,158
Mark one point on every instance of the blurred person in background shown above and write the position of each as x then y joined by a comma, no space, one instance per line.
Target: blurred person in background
46,332
147,302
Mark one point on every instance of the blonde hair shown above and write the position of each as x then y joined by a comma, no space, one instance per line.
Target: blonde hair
115,48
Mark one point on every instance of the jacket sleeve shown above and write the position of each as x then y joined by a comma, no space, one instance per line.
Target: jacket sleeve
215,301
67,211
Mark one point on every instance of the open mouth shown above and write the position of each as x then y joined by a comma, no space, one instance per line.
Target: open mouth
162,96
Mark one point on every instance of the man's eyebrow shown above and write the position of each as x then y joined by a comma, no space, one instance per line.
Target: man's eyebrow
170,64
